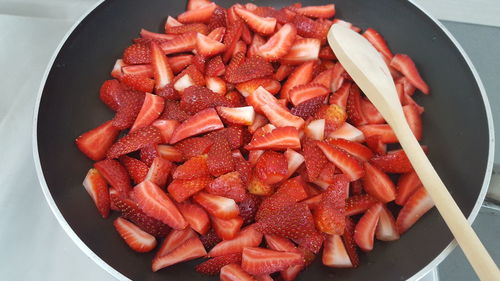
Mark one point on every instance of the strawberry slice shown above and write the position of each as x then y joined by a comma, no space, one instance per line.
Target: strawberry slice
407,185
110,92
283,71
173,111
303,93
215,67
248,208
347,163
240,47
201,13
216,85
253,48
204,121
137,54
196,217
115,174
208,47
394,161
220,160
417,205
130,105
259,261
97,141
139,69
185,42
234,272
250,68
150,36
261,25
378,42
233,135
228,185
151,109
184,28
376,145
259,98
210,239
324,78
248,237
284,245
134,141
334,115
195,167
309,28
175,238
294,160
166,127
314,159
162,72
378,184
139,82
309,107
233,34
227,229
155,203
404,64
340,96
290,192
189,250
358,204
349,242
218,206
197,98
148,154
97,188
213,266
194,146
136,239
302,50
326,53
280,116
237,115
383,130
329,214
271,167
358,150
371,113
325,11
414,120
159,171
279,44
116,72
181,190
348,132
301,75
218,19
354,109
196,4
365,229
386,227
335,254
280,139
136,168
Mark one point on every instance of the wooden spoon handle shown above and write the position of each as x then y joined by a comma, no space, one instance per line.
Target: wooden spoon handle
474,250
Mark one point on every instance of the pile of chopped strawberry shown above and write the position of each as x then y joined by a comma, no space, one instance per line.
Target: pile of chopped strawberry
239,138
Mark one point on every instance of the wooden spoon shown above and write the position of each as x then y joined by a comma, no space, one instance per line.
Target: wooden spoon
367,68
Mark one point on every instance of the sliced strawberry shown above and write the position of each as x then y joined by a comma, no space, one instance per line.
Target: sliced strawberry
248,208
229,185
218,19
171,22
247,88
195,167
190,76
234,272
136,168
190,249
215,67
335,254
258,187
371,113
185,42
251,68
378,42
228,228
324,78
414,120
261,25
137,54
196,4
162,72
248,237
358,204
280,139
237,115
235,99
184,28
134,141
130,105
259,98
97,188
326,53
155,203
173,111
97,141
208,47
136,239
110,92
210,239
407,100
283,72
115,174
175,238
303,93
199,14
169,152
348,132
194,146
233,34
383,130
271,167
349,165
259,261
393,162
166,128
233,135
314,158
302,50
139,69
240,47
378,184
197,98
349,242
329,213
196,217
218,206
279,44
294,160
309,107
365,229
358,150
139,82
376,145
159,171
408,183
253,48
404,64
154,37
202,122
386,227
315,130
301,75
151,109
325,11
116,72
281,117
213,266
354,109
148,154
217,85
181,190
340,96
416,206
220,160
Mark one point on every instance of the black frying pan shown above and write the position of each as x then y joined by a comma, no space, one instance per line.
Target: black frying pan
457,124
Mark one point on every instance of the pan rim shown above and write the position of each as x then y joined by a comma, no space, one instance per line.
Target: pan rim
118,275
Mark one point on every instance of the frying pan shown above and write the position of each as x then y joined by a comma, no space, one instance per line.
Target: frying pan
457,121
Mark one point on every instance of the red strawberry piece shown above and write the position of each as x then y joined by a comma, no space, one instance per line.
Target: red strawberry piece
358,150
138,69
151,109
234,272
335,254
329,214
175,238
327,176
136,168
280,116
137,54
134,141
139,82
294,161
169,152
309,28
349,242
354,109
204,121
220,160
258,187
115,174
207,46
218,206
162,72
348,132
325,11
386,227
259,98
247,88
159,171
189,250
148,154
218,19
228,185
189,77
130,211
196,27
280,138
179,62
236,61
408,88
259,261
301,75
324,78
215,67
235,99
197,98
240,47
414,120
253,48
194,146
259,121
314,159
233,34
173,111
97,141
309,107
378,184
340,96
155,203
195,167
244,168
378,42
407,100
168,92
210,239
154,37
233,135
251,68
303,93
199,14
181,190
283,71
109,92
196,217
376,145
248,237
404,64
371,113
408,183
217,85
271,167
365,228
326,53
358,204
415,207
196,4
136,239
237,115
261,25
394,161
97,188
185,42
248,208
130,106
214,265
166,127
278,44
347,163
116,72
302,50
383,130
228,228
